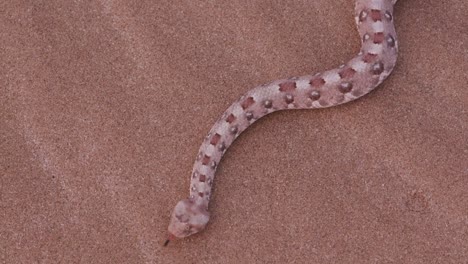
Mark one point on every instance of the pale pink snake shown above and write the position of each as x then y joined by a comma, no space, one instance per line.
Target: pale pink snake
374,62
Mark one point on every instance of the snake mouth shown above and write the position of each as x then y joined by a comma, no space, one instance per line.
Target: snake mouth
170,237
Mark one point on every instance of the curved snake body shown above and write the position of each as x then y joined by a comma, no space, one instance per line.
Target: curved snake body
359,76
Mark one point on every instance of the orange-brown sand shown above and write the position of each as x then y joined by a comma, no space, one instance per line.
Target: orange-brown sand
103,105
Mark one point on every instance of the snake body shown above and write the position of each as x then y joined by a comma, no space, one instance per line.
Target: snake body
374,62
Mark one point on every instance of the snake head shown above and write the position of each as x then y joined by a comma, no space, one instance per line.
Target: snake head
188,218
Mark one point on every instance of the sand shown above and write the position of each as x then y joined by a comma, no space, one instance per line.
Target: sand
104,104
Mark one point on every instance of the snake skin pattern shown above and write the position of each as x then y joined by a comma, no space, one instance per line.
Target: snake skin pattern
364,72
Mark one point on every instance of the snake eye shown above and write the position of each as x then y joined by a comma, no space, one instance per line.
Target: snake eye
187,228
182,218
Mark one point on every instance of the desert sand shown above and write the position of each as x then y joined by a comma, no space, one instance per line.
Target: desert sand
104,104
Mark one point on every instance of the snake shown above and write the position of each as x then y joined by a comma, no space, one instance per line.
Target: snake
374,62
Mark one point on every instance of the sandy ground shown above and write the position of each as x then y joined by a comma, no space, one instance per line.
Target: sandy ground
103,106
